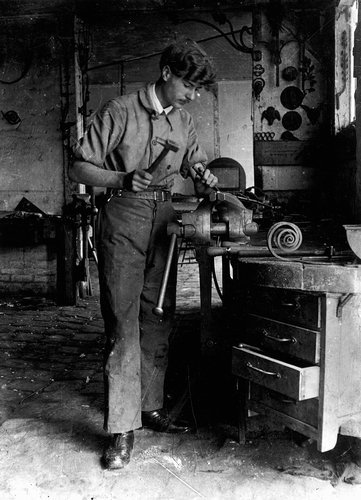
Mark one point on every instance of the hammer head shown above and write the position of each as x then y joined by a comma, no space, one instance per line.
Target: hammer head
168,144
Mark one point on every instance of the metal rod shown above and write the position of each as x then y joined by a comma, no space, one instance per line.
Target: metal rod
260,251
93,250
158,310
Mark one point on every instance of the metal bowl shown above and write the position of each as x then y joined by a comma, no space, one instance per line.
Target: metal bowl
353,233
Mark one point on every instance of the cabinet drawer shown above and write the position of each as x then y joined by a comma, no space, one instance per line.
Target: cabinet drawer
296,382
290,340
304,411
296,308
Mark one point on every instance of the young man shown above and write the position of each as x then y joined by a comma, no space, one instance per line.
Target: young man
120,145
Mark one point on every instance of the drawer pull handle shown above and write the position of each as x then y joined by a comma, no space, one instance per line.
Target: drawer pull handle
264,372
288,340
291,304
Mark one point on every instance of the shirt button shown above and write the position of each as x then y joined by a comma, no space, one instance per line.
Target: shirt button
154,142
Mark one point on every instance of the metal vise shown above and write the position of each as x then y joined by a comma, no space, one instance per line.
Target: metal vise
223,216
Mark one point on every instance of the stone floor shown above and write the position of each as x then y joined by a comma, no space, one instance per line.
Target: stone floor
51,435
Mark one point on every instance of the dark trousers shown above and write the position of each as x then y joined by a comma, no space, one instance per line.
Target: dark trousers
132,250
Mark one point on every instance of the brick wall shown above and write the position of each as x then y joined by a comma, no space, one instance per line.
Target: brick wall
28,270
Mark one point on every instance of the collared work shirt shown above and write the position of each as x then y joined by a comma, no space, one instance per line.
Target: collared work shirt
123,137
156,102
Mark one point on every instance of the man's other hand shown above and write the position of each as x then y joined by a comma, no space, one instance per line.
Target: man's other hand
205,184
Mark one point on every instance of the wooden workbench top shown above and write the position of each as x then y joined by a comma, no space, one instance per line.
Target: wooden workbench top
314,275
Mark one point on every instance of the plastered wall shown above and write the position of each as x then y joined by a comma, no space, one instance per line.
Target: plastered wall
31,151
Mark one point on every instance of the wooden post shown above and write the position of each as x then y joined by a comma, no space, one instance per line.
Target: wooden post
66,258
357,74
205,285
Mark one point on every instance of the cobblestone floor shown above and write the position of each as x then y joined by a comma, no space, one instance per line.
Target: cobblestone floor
51,435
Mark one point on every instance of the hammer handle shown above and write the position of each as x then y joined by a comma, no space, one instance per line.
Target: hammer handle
156,162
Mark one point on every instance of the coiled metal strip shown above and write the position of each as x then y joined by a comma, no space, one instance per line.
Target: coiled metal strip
285,236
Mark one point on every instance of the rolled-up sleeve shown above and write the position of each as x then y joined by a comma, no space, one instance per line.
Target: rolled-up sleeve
102,136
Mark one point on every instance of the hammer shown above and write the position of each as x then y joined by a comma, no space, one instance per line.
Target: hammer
168,145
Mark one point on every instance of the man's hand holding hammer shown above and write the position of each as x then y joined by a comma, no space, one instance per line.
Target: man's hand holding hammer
139,180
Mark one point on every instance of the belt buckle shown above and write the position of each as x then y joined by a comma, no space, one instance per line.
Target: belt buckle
159,195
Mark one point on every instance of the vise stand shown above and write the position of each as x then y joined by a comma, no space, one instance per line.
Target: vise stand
221,218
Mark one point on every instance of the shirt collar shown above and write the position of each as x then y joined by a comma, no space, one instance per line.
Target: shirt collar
156,102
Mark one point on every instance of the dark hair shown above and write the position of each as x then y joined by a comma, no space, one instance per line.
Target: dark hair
187,60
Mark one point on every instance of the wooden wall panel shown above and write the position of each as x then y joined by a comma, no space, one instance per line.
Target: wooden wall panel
286,178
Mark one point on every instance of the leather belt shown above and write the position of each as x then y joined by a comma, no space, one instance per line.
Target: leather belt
154,194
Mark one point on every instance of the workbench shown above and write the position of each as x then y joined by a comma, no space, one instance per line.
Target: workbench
20,232
296,343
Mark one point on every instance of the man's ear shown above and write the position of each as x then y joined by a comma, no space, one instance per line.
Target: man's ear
166,73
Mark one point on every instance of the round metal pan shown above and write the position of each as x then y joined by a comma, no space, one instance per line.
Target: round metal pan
291,120
291,97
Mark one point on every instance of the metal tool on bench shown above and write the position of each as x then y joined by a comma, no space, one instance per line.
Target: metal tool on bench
168,145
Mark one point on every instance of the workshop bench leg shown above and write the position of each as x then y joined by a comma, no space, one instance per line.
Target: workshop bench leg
242,393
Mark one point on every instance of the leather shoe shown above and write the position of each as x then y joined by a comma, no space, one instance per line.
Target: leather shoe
117,454
158,420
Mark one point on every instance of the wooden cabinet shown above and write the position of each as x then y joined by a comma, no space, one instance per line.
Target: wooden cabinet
297,345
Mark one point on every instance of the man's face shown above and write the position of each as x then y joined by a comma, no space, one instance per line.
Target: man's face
176,91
